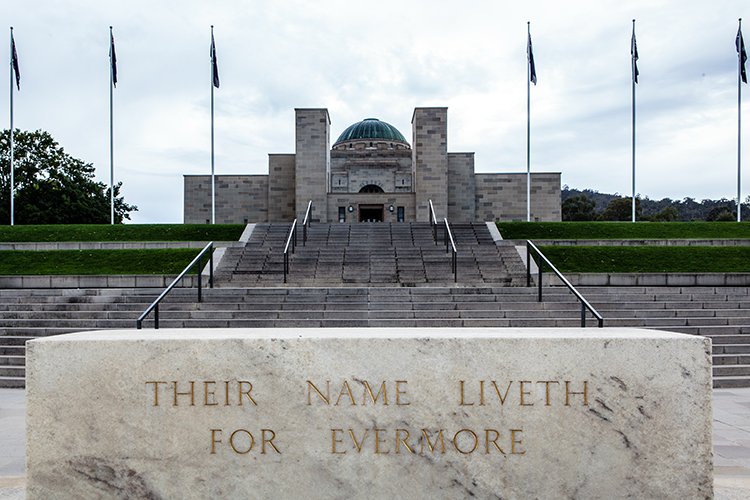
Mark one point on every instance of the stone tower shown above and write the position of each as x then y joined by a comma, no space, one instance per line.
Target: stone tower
430,161
312,161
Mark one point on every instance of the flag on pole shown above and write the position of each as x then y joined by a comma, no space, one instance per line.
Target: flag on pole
214,63
113,58
740,44
634,55
532,67
14,61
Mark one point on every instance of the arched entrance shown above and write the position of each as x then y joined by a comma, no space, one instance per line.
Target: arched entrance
371,213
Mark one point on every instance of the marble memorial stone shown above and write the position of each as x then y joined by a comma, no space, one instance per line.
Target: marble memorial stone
369,413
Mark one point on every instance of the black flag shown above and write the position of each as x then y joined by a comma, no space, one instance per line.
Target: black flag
113,58
740,44
532,67
14,61
214,63
634,56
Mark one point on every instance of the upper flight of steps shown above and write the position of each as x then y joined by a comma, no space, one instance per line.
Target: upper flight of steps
375,254
723,314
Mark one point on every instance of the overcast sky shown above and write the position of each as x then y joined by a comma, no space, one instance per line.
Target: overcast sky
382,59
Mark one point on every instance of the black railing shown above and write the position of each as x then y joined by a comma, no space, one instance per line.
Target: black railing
433,222
543,260
306,222
450,246
291,240
198,260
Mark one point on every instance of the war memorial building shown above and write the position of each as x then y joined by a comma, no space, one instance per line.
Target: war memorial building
372,174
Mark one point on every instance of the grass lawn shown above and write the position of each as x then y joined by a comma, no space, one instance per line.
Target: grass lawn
645,259
121,232
623,230
61,262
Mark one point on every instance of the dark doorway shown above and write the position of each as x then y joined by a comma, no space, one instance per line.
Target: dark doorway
371,213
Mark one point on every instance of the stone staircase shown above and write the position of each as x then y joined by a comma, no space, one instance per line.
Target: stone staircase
723,314
374,254
379,275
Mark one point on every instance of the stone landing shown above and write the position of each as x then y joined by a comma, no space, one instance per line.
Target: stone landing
370,413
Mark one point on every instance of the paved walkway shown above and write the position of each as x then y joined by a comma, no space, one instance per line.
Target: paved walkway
731,443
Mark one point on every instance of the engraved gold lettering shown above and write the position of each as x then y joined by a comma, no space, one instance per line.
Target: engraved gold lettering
461,390
473,435
402,440
514,442
190,393
502,397
426,439
584,393
546,390
334,441
207,392
241,392
358,445
226,393
156,389
325,397
493,441
251,441
524,393
481,393
374,398
378,441
214,440
265,440
399,393
348,390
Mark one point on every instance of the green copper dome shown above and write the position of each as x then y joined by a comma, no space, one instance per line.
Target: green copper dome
371,128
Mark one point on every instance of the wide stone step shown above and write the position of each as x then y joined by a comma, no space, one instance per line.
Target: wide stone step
731,348
731,382
14,371
12,382
741,370
12,360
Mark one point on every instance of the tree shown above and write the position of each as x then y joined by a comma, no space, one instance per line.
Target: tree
52,187
621,209
578,208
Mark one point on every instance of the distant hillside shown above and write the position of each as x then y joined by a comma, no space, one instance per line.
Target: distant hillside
687,209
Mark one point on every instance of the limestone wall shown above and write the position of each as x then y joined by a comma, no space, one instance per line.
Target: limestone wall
281,188
239,199
430,161
461,187
312,147
503,196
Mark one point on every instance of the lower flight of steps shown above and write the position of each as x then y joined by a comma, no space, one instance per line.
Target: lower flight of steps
723,314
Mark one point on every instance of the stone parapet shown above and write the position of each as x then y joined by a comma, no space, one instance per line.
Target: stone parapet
374,413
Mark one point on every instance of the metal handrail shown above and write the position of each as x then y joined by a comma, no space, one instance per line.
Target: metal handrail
306,222
584,303
454,256
197,260
290,240
433,221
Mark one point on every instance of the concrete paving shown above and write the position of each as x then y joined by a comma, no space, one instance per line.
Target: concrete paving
731,436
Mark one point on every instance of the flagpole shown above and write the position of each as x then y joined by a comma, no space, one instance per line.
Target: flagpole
739,124
111,132
528,124
213,179
632,57
12,180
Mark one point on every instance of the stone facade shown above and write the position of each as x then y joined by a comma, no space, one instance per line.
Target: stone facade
503,196
239,199
372,174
